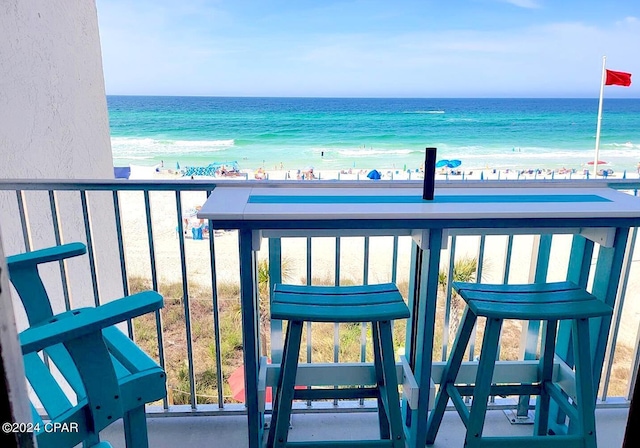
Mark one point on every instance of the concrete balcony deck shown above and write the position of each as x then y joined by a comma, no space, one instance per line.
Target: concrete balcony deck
231,431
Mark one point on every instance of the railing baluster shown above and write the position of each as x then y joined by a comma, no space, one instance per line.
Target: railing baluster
154,280
394,260
308,324
152,249
472,341
22,212
123,264
363,325
55,218
505,280
449,293
507,260
216,314
187,310
92,259
336,325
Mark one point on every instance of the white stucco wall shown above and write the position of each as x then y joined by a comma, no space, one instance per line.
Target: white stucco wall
54,125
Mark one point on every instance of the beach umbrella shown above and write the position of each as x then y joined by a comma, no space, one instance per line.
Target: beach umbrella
448,163
374,175
177,165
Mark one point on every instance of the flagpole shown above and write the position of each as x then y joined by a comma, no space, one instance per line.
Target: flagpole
595,160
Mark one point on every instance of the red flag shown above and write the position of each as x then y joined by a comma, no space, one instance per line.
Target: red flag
618,79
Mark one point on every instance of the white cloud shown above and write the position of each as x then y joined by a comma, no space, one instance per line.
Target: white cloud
628,21
555,59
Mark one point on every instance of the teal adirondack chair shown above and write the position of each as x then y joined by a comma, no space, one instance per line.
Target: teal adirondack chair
110,375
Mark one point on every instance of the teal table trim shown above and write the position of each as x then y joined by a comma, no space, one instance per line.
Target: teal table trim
443,199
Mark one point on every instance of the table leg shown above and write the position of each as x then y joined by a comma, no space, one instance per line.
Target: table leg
420,333
605,287
250,335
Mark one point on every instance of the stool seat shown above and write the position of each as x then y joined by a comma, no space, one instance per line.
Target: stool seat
368,303
546,301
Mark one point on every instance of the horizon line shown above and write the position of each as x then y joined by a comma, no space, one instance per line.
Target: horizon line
379,97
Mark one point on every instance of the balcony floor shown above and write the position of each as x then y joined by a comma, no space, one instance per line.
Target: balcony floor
230,431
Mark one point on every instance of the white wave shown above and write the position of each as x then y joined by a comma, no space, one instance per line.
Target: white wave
373,152
138,147
133,141
204,143
623,145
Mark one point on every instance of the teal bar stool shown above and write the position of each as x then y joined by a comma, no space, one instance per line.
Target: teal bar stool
378,304
547,302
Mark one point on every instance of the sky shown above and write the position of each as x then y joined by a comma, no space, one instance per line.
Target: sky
369,48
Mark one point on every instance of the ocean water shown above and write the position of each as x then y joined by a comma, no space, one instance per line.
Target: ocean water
341,133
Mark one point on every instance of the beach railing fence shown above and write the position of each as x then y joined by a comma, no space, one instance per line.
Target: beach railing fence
199,277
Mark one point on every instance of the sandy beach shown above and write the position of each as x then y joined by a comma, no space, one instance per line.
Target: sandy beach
310,173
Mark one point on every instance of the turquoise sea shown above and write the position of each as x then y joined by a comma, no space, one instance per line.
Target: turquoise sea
340,133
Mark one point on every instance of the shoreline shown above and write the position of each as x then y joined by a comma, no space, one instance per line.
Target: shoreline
141,172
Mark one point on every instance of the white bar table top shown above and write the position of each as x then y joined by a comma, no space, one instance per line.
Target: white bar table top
301,203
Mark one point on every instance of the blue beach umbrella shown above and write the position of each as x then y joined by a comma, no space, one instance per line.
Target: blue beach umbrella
448,163
374,175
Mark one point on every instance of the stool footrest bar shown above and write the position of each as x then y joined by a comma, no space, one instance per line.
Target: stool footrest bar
503,389
342,443
335,394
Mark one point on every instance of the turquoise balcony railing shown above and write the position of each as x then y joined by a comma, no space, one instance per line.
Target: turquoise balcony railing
149,231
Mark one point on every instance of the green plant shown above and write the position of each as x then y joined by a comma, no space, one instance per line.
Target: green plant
464,270
286,270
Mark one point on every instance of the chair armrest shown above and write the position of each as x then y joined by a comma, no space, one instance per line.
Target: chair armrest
46,255
83,321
